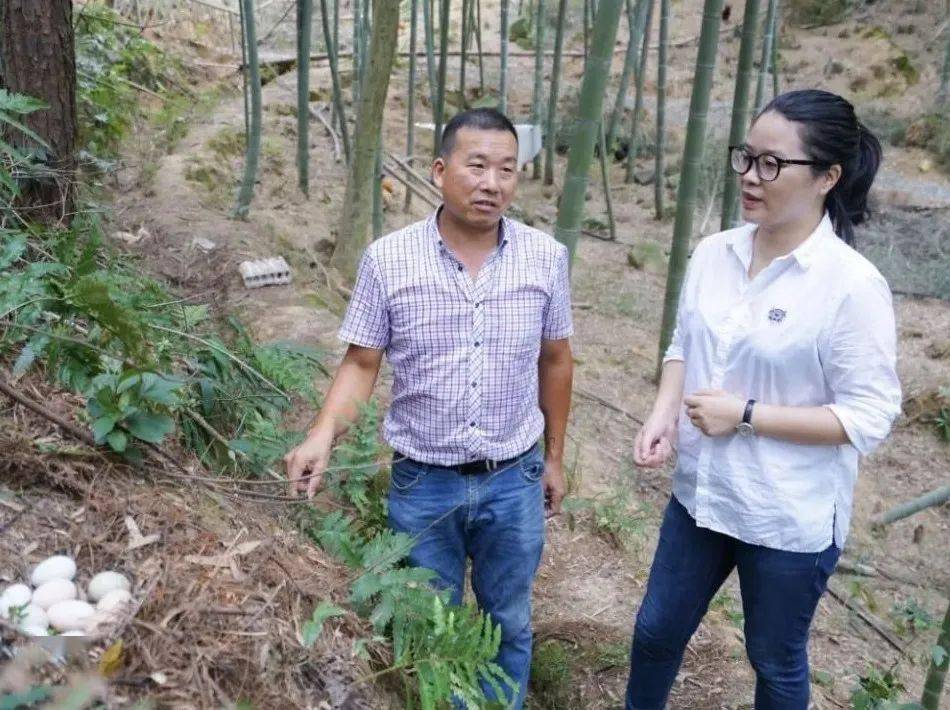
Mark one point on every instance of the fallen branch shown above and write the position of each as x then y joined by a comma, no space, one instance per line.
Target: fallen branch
936,497
424,196
867,618
604,403
84,436
333,134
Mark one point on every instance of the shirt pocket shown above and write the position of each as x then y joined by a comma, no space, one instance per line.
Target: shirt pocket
514,320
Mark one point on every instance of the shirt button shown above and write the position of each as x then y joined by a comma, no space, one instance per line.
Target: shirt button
477,343
460,267
471,424
477,304
474,384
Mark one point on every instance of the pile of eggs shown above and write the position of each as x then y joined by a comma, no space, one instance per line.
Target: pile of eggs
53,601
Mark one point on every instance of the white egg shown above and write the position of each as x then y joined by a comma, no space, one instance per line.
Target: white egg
56,567
74,632
117,599
105,582
53,591
35,631
14,595
70,615
32,617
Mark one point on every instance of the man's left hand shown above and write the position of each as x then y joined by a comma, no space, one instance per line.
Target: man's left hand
714,412
555,488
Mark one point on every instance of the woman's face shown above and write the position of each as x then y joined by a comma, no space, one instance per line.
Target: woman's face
797,194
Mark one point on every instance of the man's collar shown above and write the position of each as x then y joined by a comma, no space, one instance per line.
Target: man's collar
505,228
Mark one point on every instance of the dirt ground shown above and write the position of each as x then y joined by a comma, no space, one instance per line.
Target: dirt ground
588,589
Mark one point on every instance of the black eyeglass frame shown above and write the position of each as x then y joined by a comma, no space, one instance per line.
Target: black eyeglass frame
754,160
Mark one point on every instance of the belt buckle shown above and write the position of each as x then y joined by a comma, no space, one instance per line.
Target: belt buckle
491,464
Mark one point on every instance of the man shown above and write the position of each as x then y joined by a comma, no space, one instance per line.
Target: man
473,311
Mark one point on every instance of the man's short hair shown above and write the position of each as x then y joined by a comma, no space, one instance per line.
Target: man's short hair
481,119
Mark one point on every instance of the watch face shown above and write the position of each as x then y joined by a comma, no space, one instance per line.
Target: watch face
745,429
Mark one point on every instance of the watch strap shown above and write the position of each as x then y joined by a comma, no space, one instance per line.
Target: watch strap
747,414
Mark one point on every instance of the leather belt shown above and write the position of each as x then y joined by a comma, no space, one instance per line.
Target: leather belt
471,468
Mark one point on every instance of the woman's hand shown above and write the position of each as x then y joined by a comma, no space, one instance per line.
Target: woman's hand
714,412
656,441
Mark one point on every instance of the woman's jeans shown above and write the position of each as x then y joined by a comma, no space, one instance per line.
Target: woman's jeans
780,591
496,519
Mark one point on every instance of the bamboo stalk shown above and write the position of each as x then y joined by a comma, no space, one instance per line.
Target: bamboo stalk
740,111
605,178
633,148
339,109
938,496
937,673
304,22
463,58
443,71
659,186
411,108
537,104
352,234
357,50
692,160
246,193
635,21
589,123
478,41
765,57
549,131
503,61
378,189
431,70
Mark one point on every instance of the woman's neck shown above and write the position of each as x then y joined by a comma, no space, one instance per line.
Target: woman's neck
772,242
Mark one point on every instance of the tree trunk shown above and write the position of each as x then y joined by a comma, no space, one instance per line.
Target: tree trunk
589,123
354,221
537,105
443,73
333,56
549,130
252,154
378,189
692,162
659,182
635,21
478,41
933,685
632,145
503,76
304,21
38,59
411,107
357,50
766,56
740,111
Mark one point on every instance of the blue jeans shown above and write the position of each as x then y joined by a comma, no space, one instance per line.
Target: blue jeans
495,519
780,591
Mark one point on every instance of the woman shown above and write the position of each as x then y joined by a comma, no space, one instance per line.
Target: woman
783,363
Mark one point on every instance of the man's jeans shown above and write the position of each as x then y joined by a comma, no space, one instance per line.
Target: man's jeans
780,591
497,520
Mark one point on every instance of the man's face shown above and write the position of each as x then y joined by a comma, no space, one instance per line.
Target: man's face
478,178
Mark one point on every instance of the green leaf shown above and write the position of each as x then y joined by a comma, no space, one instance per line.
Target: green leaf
938,654
160,389
314,627
117,440
102,426
12,250
149,426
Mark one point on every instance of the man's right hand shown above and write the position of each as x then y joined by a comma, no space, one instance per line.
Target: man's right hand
307,463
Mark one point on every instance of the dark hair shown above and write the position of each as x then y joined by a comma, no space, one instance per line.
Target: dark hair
481,119
833,135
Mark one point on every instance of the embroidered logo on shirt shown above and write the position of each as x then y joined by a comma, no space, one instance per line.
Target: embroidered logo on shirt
776,315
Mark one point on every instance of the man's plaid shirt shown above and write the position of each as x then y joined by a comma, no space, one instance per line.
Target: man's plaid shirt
464,353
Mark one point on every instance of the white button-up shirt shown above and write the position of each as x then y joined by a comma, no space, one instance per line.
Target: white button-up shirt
814,328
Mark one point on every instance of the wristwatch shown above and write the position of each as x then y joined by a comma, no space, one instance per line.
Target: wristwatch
745,428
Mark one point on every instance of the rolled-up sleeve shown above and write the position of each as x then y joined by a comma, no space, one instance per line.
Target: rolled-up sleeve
859,359
558,323
367,317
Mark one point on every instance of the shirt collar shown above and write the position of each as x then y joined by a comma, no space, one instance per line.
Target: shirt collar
740,241
505,229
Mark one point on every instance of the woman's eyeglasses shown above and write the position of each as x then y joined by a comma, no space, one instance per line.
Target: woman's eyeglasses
767,166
